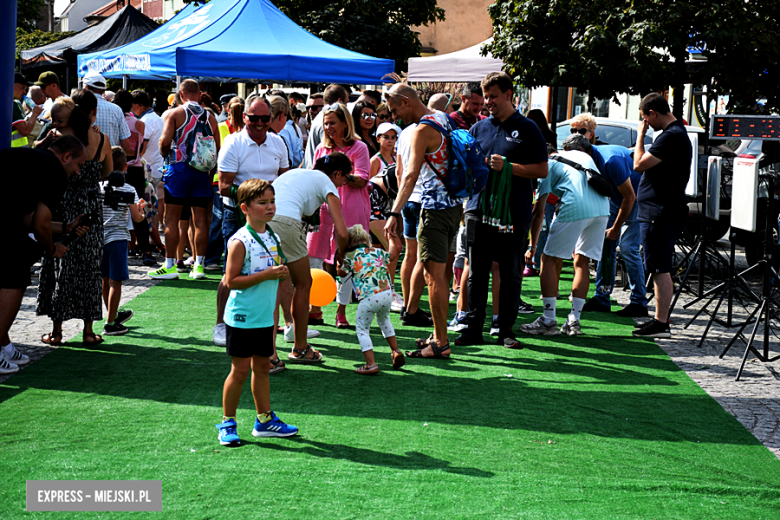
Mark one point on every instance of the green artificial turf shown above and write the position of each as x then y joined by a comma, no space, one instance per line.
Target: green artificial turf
602,426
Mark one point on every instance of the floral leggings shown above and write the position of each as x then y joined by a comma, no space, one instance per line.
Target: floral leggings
376,304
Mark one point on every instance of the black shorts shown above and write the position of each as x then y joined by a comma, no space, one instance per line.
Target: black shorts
244,343
658,241
22,253
380,203
196,202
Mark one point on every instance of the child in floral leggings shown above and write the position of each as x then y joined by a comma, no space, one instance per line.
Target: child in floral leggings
368,268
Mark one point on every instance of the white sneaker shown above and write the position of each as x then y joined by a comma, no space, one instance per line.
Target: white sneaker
540,327
190,261
453,296
219,336
289,333
11,355
7,368
398,303
571,328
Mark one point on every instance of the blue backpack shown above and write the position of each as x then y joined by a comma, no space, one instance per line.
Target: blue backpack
467,172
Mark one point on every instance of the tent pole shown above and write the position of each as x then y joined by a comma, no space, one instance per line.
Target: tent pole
178,82
7,48
67,79
124,81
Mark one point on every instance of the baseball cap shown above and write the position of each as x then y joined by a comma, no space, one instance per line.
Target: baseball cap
95,80
18,78
386,127
224,100
47,78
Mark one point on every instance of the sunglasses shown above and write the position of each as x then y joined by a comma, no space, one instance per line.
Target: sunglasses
368,116
383,116
314,108
255,118
581,131
332,107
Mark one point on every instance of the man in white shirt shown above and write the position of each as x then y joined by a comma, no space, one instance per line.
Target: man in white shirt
150,151
253,153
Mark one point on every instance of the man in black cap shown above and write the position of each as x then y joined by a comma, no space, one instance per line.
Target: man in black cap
50,84
21,127
224,100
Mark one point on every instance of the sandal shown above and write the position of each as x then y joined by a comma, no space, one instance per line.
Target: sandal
299,356
367,369
96,339
438,352
398,359
48,339
277,365
422,343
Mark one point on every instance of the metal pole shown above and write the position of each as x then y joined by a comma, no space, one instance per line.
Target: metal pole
124,81
7,57
178,82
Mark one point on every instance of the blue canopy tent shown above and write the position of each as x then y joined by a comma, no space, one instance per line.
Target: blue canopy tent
246,39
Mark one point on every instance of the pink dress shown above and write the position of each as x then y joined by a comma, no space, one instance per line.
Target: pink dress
136,140
354,202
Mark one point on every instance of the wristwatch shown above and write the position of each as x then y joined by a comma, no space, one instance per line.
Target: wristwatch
396,215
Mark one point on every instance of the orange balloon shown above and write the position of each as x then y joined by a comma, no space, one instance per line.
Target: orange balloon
323,288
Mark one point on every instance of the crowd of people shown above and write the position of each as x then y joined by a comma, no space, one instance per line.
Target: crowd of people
269,188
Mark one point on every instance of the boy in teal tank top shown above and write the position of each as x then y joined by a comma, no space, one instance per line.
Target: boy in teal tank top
252,273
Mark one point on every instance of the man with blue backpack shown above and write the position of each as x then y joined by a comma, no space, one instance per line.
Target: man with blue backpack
450,167
499,217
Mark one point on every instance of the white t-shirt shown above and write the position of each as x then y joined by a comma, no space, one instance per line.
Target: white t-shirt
405,152
252,161
115,222
299,193
152,132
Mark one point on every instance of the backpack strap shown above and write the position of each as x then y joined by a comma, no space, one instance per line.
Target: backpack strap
446,135
575,165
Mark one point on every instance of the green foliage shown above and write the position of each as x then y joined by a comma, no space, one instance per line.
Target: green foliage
28,12
611,46
29,40
377,28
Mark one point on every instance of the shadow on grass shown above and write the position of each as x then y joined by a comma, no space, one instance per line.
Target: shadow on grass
574,391
411,460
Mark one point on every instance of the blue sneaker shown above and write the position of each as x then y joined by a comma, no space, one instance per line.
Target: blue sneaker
273,428
457,324
227,433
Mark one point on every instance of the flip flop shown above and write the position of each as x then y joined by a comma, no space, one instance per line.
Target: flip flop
97,339
47,339
301,358
437,352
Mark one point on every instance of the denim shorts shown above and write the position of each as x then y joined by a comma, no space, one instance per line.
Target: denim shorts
411,215
115,261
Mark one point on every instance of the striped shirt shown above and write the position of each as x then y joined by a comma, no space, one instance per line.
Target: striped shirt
579,200
111,121
115,221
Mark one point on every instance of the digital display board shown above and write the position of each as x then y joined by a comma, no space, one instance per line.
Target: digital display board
745,127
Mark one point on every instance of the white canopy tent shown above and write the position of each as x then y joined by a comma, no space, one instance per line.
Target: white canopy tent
459,66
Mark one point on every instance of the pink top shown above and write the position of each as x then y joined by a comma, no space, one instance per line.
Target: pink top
136,139
354,202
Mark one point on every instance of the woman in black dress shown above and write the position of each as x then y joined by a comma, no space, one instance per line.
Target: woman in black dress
70,287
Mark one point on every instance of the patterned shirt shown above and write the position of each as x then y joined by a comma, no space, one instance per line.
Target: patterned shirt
368,270
111,121
434,194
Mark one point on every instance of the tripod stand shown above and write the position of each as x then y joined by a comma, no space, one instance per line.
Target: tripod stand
767,308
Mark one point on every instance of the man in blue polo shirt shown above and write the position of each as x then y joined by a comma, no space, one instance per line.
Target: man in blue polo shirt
663,210
506,134
615,163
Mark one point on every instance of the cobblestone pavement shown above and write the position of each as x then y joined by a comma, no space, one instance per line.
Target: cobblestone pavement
754,400
28,328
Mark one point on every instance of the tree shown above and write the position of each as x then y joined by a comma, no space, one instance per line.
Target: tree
27,14
30,40
378,28
611,46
